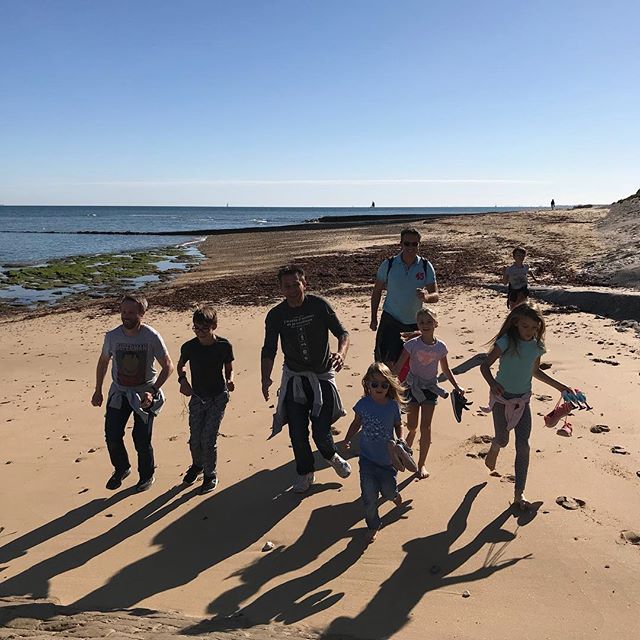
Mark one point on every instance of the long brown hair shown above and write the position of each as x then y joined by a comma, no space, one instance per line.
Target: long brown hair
510,329
396,388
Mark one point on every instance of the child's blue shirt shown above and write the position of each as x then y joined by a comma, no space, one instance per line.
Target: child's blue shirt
378,421
516,368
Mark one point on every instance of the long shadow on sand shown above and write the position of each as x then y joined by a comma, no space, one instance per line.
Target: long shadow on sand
228,522
35,581
427,566
70,520
470,363
295,599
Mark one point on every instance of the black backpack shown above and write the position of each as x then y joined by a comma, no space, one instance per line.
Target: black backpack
424,265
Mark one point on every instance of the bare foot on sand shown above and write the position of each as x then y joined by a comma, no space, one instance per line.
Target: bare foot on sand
422,473
370,535
397,500
492,457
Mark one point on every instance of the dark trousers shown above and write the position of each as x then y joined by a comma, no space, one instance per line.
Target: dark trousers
114,424
298,415
389,343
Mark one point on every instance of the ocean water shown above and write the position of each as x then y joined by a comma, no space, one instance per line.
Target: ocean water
36,234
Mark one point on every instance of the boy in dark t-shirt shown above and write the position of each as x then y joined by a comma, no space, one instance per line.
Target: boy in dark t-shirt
209,357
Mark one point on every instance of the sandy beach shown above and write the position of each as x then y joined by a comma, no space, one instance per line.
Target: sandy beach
455,561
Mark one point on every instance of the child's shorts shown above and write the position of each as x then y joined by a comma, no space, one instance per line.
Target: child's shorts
512,294
430,397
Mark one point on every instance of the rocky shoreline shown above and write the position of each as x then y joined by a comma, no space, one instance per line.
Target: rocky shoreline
567,249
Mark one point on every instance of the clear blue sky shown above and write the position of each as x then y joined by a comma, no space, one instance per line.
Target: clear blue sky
324,102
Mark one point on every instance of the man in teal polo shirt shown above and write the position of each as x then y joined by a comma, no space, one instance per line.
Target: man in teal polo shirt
410,281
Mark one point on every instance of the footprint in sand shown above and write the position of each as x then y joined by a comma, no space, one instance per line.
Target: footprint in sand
619,450
508,478
483,439
599,428
570,503
630,536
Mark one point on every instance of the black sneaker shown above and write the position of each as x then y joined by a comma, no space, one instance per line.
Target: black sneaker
143,485
115,481
209,483
459,404
191,475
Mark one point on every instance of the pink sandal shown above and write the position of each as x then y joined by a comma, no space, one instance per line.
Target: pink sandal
565,430
562,409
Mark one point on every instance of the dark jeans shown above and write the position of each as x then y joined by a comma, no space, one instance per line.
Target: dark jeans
298,415
114,424
389,344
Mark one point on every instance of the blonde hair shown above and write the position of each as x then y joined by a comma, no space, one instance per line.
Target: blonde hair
427,311
396,389
510,329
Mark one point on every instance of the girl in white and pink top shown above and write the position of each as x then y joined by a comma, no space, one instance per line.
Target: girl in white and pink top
425,354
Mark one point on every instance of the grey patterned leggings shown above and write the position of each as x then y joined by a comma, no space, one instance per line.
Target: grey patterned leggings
522,431
205,416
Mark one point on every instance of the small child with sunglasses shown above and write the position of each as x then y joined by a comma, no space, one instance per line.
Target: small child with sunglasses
208,355
377,413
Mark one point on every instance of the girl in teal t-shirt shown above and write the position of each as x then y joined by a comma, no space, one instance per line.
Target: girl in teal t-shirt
518,347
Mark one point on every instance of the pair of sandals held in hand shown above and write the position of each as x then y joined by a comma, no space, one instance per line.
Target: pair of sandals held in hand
569,401
401,456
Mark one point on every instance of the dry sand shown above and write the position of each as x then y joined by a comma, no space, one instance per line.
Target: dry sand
549,574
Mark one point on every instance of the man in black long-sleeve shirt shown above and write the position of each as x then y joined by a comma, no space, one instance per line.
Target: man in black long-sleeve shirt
302,322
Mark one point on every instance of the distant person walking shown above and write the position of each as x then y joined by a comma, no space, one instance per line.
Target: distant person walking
410,281
132,348
515,276
553,204
308,389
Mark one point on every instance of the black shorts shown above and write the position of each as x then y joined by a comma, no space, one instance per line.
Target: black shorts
389,344
429,397
513,294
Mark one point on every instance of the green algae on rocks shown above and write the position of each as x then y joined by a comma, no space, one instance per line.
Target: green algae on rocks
98,270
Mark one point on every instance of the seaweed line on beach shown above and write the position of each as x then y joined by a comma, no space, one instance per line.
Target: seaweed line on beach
338,275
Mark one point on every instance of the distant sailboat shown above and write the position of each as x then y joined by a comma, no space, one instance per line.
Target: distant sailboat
373,204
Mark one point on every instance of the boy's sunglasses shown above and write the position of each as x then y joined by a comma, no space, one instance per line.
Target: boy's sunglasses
382,385
410,244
